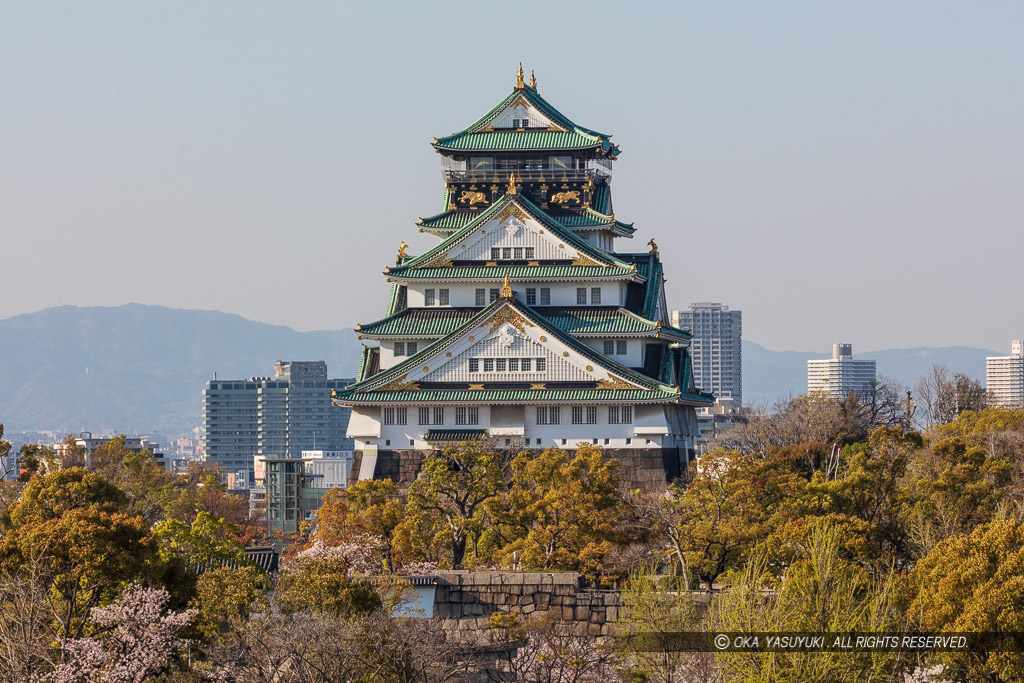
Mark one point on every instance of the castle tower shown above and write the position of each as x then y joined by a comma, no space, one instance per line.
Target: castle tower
525,324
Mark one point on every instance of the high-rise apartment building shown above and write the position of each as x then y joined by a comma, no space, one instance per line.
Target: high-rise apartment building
841,374
273,416
716,349
1004,377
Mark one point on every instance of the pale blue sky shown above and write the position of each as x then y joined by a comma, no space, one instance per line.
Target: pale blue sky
839,171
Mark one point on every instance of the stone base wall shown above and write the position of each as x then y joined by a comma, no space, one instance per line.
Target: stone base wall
647,469
472,597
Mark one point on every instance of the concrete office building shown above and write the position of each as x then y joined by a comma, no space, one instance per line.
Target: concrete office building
716,349
1004,377
274,416
841,374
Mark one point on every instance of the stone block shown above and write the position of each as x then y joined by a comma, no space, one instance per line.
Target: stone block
567,613
582,614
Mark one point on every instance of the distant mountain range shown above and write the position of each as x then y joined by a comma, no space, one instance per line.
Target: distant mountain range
138,368
768,374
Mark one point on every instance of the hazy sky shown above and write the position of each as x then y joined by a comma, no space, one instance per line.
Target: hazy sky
839,171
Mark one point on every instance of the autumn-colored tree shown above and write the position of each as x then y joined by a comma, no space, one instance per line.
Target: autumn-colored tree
975,584
954,486
730,501
560,510
446,503
371,507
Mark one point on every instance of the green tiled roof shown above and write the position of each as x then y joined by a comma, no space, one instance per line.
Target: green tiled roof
653,388
450,221
519,396
601,202
573,137
595,321
396,300
515,272
533,210
649,266
419,322
498,141
369,361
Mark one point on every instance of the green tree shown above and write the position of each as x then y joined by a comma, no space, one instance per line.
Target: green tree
974,584
821,593
51,496
205,544
144,481
323,584
90,552
225,594
560,510
446,503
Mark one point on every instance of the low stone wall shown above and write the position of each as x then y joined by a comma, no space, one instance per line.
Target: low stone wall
472,597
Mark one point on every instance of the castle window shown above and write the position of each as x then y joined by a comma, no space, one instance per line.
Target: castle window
429,298
554,415
581,296
517,253
620,347
529,253
577,415
591,415
494,295
399,349
506,253
525,363
595,296
495,253
481,297
474,365
499,364
425,416
540,365
609,347
439,415
467,415
443,297
531,296
545,296
626,413
394,415
513,365
488,365
411,347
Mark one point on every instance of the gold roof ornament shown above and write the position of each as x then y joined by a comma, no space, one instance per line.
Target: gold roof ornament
506,288
519,78
654,246
533,80
512,189
401,252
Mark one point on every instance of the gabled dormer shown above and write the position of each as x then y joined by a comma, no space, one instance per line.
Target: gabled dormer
514,231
